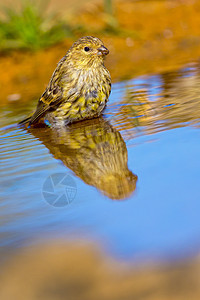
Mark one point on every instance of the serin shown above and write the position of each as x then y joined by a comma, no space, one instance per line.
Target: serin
79,87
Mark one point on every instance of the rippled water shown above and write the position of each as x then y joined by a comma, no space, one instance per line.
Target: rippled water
129,180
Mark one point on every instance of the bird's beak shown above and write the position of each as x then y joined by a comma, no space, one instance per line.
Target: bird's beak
102,50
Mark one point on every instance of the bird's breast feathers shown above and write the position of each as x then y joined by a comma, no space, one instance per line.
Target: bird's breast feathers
86,98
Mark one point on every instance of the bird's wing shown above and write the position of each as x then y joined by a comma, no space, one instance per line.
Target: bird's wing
52,96
48,101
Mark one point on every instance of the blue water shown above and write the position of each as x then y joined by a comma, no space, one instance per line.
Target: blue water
159,220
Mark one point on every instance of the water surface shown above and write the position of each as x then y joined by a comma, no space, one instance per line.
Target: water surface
134,174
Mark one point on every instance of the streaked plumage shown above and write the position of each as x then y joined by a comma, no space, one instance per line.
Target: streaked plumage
95,152
79,87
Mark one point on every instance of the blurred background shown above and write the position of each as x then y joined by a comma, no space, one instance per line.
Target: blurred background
143,37
132,230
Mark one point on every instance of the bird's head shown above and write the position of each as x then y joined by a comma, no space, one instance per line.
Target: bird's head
87,52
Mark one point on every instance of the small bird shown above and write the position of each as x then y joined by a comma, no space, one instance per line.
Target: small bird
79,87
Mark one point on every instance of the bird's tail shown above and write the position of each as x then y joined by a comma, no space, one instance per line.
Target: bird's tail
25,121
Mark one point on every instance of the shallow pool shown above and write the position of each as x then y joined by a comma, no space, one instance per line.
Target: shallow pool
129,181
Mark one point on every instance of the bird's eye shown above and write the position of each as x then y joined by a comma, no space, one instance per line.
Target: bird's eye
87,49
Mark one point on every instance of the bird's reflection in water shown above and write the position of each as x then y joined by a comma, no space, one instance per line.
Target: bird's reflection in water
95,152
